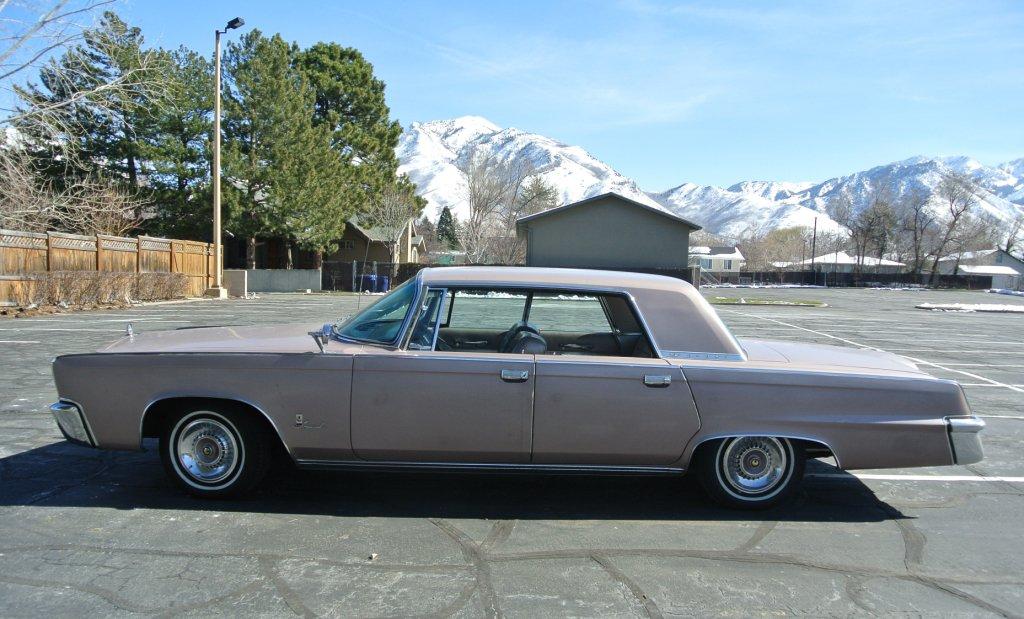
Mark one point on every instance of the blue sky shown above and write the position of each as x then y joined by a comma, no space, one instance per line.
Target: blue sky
665,92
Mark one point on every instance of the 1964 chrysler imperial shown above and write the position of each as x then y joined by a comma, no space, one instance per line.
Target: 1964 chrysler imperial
524,369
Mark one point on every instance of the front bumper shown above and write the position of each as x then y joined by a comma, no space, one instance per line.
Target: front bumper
72,423
965,439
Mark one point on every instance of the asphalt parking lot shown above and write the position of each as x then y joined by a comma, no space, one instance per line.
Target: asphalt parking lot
90,532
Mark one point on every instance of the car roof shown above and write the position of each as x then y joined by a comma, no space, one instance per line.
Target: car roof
548,278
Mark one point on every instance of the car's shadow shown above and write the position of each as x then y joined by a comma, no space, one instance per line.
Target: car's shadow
65,475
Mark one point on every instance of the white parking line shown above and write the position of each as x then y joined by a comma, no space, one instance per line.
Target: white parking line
851,342
19,342
947,478
113,330
986,365
988,385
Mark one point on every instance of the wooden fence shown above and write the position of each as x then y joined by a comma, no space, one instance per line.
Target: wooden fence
25,253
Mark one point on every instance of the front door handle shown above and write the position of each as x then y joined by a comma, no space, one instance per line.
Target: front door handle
515,376
657,380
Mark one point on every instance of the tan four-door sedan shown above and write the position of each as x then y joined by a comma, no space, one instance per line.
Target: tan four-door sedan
526,369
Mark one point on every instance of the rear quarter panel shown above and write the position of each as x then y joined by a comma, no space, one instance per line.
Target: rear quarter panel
870,421
115,389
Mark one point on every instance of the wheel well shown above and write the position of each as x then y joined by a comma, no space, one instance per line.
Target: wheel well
159,414
812,448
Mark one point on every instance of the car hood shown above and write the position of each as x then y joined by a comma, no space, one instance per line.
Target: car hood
822,356
265,339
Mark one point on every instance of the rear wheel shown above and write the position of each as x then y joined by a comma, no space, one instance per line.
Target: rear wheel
750,472
215,451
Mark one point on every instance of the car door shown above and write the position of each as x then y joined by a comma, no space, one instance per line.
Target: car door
611,410
600,409
422,405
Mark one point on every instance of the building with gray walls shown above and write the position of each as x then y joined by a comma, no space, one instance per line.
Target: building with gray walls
608,231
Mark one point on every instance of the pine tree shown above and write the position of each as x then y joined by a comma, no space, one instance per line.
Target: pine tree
446,232
349,102
281,176
177,149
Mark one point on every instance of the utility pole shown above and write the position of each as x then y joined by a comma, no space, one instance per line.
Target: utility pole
217,290
814,249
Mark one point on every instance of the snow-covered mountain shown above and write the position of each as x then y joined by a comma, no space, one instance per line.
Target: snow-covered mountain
430,153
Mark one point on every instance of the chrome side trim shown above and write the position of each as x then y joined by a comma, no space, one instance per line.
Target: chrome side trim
964,439
702,356
153,402
583,469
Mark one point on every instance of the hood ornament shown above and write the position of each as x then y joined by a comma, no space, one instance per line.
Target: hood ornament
129,331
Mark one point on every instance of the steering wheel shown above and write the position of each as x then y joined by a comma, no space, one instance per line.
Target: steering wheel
506,339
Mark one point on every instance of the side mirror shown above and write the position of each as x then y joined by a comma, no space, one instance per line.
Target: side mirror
322,336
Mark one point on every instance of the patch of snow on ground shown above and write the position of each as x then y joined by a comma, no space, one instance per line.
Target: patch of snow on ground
760,286
1015,293
972,307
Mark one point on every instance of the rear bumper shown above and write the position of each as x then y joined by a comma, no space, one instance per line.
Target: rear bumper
72,423
965,439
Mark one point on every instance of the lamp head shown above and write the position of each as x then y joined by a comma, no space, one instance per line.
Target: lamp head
237,22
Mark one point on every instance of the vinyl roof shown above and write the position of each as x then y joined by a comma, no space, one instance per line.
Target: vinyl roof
548,277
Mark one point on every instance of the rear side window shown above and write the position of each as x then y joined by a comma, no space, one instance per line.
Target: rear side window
486,309
568,313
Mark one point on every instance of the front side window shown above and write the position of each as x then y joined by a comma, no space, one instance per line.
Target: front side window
728,265
381,322
486,309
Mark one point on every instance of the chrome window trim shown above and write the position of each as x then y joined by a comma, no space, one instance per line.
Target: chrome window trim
426,289
526,288
702,356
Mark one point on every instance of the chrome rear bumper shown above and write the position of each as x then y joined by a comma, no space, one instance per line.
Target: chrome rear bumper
71,423
965,439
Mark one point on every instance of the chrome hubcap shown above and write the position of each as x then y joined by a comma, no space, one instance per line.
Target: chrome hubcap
754,464
207,450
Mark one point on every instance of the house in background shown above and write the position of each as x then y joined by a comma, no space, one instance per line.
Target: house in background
608,231
724,262
842,262
1005,269
365,243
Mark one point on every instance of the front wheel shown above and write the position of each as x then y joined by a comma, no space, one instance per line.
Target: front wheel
750,472
215,451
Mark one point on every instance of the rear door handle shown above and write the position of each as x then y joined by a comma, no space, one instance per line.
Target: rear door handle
515,376
657,380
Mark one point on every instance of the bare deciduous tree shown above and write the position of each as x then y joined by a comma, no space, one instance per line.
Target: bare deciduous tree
871,228
389,214
1014,235
917,225
87,205
30,45
957,193
498,193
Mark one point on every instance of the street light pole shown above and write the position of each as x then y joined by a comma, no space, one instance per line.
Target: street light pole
218,291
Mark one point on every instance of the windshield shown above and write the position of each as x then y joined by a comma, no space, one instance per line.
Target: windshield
381,322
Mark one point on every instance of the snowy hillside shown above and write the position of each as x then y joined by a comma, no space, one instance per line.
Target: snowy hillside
430,153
